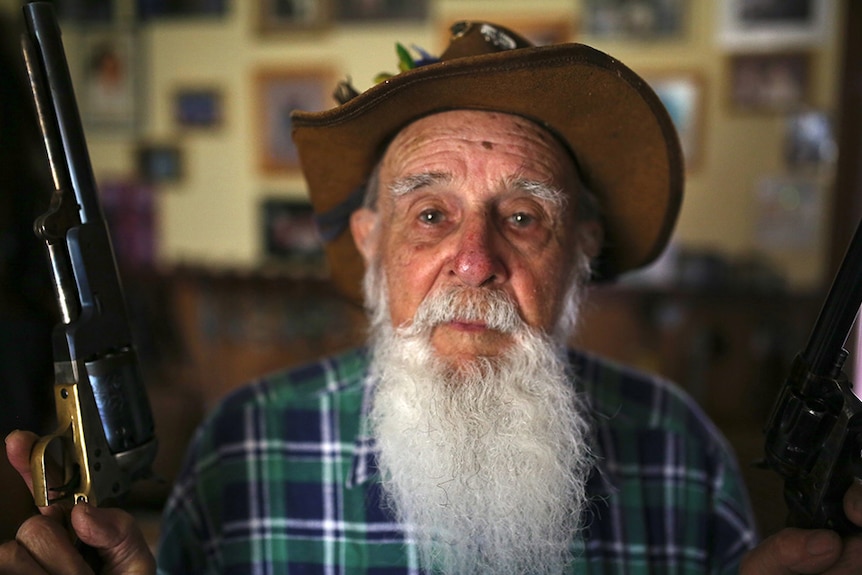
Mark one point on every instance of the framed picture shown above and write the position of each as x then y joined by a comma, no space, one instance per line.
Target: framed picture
635,19
746,24
278,93
788,212
84,11
290,15
107,95
682,94
151,9
159,163
130,211
198,107
290,233
769,82
809,141
365,10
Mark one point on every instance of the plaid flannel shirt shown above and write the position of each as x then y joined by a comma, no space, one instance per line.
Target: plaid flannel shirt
282,478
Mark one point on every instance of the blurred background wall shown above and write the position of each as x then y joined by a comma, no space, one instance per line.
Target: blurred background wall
738,78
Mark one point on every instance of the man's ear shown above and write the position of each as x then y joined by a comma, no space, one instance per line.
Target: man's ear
592,237
363,226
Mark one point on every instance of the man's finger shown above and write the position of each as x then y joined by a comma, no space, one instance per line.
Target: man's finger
16,560
120,542
19,444
793,551
49,544
853,502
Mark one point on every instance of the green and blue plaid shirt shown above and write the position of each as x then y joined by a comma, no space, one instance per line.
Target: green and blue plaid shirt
282,479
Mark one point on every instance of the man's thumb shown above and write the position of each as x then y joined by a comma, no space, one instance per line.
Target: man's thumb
114,534
793,551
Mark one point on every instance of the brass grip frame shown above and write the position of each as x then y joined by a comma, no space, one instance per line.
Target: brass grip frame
90,472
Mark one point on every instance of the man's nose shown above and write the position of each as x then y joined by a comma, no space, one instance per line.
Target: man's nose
478,261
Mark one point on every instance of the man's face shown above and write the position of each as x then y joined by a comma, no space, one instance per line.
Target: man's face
478,200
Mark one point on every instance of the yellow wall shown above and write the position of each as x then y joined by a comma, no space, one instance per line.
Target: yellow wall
211,216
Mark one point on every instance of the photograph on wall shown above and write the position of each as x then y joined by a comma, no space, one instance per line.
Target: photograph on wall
159,163
369,10
153,9
772,23
198,107
291,15
682,96
107,75
635,19
809,140
84,11
788,211
769,82
129,207
280,92
290,233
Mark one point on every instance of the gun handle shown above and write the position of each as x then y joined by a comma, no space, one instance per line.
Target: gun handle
89,467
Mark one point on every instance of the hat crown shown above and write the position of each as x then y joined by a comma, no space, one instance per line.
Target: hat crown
478,38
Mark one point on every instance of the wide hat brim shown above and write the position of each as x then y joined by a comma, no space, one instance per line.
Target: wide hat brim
616,127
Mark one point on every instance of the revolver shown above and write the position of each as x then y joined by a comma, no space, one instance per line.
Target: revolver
105,434
814,433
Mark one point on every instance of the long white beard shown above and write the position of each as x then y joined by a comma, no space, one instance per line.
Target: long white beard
486,462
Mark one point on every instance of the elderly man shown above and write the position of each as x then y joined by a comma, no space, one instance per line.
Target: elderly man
481,192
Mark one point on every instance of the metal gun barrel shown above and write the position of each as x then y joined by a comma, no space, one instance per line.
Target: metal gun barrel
823,354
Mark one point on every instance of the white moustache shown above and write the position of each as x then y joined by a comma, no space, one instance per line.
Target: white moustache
494,308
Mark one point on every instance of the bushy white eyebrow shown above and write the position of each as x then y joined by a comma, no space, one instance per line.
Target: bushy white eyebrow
540,190
407,184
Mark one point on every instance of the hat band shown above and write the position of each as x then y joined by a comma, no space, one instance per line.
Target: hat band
333,223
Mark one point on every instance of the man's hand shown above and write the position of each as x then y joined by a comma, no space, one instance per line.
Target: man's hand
810,551
43,544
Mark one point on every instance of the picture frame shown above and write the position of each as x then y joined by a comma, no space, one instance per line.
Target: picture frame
809,141
772,24
635,19
375,10
683,94
275,16
107,78
130,212
198,107
278,93
769,82
85,11
788,211
290,233
156,9
159,163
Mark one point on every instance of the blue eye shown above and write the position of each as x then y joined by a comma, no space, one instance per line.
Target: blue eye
431,216
521,219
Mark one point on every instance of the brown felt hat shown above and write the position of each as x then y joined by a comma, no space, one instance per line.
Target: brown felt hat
615,126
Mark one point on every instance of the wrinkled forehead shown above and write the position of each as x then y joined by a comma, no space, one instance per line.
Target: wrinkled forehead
491,130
